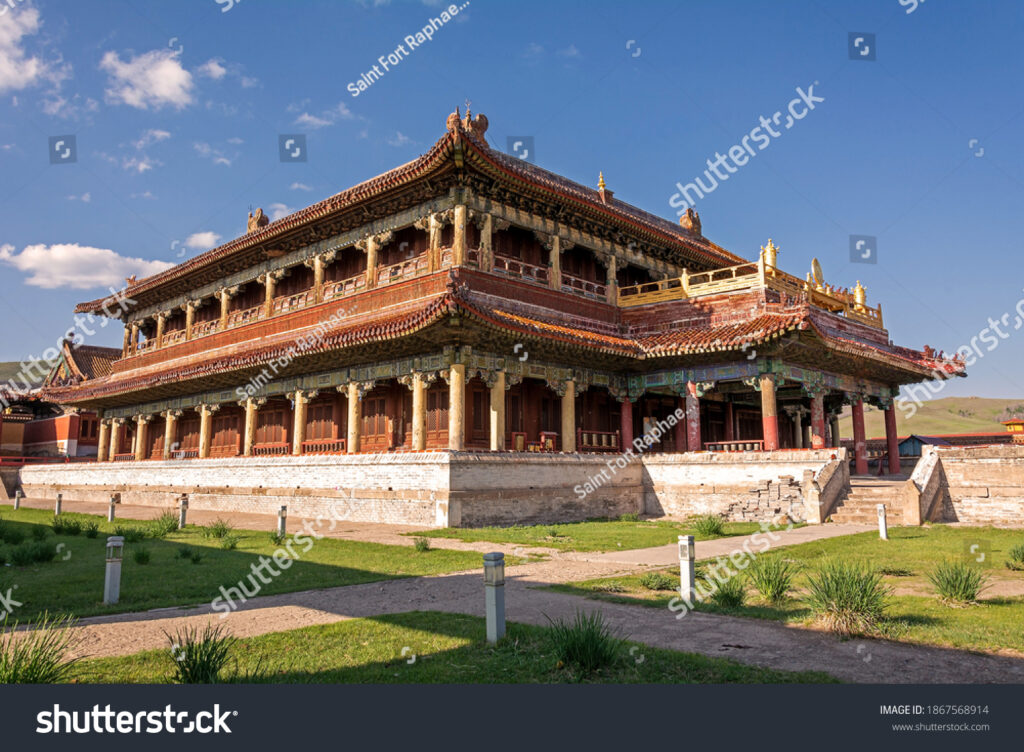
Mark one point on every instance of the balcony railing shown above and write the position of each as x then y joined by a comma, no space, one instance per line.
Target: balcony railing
745,445
345,287
185,454
294,302
239,318
750,276
517,269
202,328
584,287
267,450
126,457
174,337
407,269
324,446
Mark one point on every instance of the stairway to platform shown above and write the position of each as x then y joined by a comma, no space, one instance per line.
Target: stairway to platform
866,493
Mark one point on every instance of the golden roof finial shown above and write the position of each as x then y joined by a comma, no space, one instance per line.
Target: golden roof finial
600,181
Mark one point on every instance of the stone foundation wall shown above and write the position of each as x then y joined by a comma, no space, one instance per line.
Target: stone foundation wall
982,485
462,489
8,483
394,488
737,485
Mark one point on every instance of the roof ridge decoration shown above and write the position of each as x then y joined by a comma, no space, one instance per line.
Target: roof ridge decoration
472,127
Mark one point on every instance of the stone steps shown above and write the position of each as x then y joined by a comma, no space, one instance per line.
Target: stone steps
861,505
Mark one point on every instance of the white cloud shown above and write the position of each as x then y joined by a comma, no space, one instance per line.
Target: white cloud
399,139
212,69
152,136
57,106
235,140
300,187
214,155
78,267
533,50
153,80
202,241
327,117
570,51
144,194
18,69
312,121
279,211
141,164
85,198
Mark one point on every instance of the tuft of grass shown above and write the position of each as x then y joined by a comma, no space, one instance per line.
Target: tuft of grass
185,552
130,534
847,598
708,525
629,517
610,587
729,594
11,536
587,643
198,657
230,542
957,583
422,544
195,557
1016,561
21,556
38,533
38,655
32,553
772,577
91,529
659,581
164,525
64,525
553,532
276,538
219,528
141,556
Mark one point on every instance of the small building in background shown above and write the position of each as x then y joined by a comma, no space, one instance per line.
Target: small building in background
1016,429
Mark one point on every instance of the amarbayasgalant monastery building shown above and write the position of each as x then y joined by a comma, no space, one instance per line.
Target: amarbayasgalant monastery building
469,339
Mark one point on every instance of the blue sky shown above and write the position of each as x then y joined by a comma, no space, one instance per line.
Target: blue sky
176,107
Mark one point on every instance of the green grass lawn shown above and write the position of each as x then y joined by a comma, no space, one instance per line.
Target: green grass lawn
438,648
73,581
994,624
593,535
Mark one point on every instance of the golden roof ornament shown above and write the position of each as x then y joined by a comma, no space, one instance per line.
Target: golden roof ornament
860,296
690,221
819,275
602,189
770,254
600,181
257,221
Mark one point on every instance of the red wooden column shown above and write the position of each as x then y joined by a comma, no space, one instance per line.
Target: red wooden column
891,440
627,424
680,427
692,418
860,447
769,412
817,421
729,420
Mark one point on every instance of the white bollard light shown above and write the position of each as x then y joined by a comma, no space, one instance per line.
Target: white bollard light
112,581
17,499
182,511
883,527
282,521
110,509
494,595
687,567
57,505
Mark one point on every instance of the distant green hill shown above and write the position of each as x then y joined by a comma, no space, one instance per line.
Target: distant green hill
947,415
9,371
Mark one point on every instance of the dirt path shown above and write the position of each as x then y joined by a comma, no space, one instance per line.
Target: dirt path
760,643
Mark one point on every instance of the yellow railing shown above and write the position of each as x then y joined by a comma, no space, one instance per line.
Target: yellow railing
749,276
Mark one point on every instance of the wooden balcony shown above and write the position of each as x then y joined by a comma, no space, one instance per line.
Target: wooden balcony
202,328
750,276
239,318
294,302
324,446
408,269
344,287
271,450
583,287
516,269
126,457
744,445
